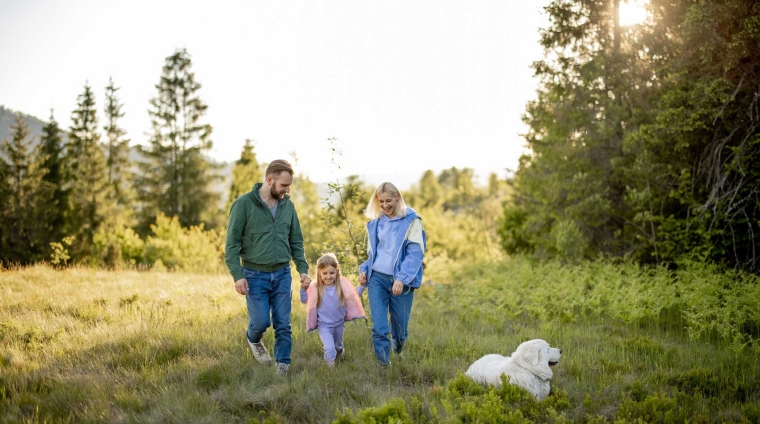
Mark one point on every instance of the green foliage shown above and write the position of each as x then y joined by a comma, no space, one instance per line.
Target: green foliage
393,412
460,218
431,193
86,176
176,177
53,163
60,255
514,237
644,139
118,247
569,244
657,408
178,248
119,169
246,172
463,400
24,195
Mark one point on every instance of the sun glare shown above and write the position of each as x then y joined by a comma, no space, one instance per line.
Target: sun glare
632,12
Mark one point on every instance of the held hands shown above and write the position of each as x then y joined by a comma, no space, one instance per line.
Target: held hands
363,278
241,286
305,281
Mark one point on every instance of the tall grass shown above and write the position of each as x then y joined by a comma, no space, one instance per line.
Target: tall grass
82,345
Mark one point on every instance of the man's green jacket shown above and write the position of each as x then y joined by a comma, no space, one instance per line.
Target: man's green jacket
259,241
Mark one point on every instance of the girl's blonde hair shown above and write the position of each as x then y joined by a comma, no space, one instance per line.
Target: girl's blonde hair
328,259
373,207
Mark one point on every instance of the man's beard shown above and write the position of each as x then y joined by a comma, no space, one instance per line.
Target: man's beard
275,194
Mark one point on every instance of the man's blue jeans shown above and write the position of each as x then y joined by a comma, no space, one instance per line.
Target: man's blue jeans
381,302
270,292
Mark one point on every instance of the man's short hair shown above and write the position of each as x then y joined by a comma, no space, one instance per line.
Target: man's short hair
277,166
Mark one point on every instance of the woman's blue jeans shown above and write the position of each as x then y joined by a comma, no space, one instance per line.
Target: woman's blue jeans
382,302
270,292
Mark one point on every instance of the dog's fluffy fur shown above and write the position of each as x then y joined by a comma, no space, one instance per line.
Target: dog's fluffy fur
529,367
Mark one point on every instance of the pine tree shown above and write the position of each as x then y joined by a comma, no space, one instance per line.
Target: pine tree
5,201
21,239
246,172
52,161
176,177
431,193
119,173
89,186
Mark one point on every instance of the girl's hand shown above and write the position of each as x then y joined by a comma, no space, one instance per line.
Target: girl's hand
305,284
363,278
398,287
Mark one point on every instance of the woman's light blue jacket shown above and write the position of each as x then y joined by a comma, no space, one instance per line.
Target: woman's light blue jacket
407,267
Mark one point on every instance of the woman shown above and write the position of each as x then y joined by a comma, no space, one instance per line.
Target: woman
393,269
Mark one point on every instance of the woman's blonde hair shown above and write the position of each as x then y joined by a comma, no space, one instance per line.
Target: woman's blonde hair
328,259
373,207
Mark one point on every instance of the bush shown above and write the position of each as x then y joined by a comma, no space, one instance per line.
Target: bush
116,248
186,249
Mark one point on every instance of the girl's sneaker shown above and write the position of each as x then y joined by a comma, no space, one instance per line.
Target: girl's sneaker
341,354
330,364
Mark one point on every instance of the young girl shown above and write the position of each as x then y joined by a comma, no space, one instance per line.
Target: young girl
330,302
394,268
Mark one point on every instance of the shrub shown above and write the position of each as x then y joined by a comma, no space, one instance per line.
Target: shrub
187,249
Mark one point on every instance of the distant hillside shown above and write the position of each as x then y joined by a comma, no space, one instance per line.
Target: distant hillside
8,119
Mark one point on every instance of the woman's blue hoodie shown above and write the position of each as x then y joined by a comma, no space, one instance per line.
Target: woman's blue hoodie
407,267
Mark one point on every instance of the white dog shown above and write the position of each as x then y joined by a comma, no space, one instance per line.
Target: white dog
529,367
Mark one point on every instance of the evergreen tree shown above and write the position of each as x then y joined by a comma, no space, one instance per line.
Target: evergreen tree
52,161
644,139
88,182
570,184
246,172
458,188
22,236
5,201
119,173
431,193
176,177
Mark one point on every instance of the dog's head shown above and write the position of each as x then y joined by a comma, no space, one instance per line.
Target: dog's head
538,357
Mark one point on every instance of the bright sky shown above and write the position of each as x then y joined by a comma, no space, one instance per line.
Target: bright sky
405,86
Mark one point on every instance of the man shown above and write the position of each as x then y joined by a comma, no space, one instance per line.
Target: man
264,234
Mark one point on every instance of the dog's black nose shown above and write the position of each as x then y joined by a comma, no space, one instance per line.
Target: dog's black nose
560,351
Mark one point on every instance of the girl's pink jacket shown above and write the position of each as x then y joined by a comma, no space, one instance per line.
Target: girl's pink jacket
354,308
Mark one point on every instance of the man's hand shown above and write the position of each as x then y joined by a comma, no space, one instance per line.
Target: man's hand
363,278
398,287
305,283
241,286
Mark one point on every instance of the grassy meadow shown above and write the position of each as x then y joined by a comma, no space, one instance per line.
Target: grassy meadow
639,345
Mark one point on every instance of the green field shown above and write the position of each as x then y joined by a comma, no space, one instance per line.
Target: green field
639,345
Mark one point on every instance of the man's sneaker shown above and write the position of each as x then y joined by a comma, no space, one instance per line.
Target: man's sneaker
260,353
282,368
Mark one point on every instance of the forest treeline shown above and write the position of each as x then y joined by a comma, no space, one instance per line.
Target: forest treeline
643,144
643,139
77,196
